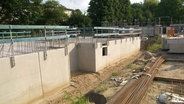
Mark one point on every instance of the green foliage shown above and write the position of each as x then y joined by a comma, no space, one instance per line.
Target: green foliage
144,13
137,13
76,100
135,67
53,13
129,66
102,87
110,11
96,11
27,12
82,100
20,11
79,19
101,12
170,8
114,74
156,45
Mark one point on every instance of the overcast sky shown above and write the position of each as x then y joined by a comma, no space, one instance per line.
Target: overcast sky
82,4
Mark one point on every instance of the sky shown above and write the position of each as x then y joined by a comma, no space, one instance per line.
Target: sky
82,4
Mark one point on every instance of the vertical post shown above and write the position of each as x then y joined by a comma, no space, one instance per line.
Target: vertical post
159,19
66,43
1,50
11,50
45,51
171,20
52,43
172,87
181,88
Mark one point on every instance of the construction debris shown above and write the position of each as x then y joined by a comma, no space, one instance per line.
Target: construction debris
169,98
119,81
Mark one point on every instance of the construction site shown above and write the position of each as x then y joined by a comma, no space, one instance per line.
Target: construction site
91,65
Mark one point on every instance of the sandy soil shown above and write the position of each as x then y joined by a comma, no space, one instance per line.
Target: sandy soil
172,70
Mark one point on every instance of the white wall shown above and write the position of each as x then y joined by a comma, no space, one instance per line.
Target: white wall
90,54
86,56
33,76
55,70
117,49
73,58
175,44
21,83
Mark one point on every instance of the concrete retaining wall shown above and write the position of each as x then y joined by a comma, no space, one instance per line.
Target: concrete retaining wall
116,50
86,56
33,76
176,44
91,58
73,59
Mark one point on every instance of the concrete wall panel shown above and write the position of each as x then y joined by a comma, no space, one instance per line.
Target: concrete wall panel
33,76
73,58
21,83
55,69
117,49
86,57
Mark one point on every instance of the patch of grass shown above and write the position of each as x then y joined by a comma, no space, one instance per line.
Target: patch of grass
156,45
114,74
76,100
102,88
82,100
129,66
132,66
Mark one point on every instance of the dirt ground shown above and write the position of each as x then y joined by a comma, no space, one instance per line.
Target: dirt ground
167,70
172,70
82,82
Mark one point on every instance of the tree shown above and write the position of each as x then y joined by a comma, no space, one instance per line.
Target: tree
20,11
125,10
111,11
170,8
53,13
96,11
79,19
150,10
137,13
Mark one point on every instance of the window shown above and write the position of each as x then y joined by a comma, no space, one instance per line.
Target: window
104,51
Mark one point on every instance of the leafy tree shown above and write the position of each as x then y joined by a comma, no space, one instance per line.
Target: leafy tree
20,11
150,10
96,11
53,13
79,19
111,11
170,8
36,9
138,13
144,13
13,10
125,10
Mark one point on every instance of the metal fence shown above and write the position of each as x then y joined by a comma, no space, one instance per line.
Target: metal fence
26,47
24,39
